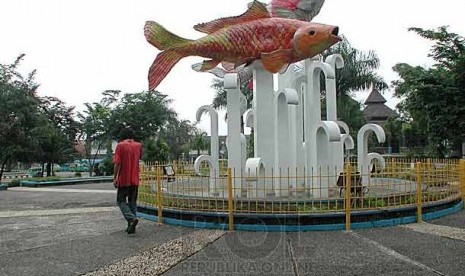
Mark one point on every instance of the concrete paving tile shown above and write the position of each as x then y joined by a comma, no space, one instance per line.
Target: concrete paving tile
82,255
339,253
240,253
444,255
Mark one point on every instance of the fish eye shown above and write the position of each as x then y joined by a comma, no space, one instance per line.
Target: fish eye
312,32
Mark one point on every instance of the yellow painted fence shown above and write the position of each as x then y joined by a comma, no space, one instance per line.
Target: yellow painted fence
401,183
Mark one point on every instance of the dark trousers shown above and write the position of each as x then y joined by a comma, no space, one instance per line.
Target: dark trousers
127,201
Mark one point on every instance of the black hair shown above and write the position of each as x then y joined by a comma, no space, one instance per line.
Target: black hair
126,133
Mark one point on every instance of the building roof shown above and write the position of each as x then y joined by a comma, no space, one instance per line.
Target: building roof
375,97
378,111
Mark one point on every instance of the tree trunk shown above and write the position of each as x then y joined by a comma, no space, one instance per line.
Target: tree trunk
49,168
92,160
463,150
109,148
3,168
42,171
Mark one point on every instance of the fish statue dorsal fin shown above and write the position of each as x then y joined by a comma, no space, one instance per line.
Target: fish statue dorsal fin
256,11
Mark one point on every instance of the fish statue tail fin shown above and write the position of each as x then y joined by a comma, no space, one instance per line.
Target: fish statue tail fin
161,38
162,66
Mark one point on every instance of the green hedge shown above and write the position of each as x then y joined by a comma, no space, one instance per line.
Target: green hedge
17,182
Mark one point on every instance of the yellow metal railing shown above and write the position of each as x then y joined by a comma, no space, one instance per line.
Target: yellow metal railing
300,191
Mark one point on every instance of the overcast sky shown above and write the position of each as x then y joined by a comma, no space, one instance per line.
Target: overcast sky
81,48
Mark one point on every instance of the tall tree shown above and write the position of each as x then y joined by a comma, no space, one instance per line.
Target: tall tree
96,124
18,114
156,150
393,128
154,123
56,133
145,112
178,135
434,97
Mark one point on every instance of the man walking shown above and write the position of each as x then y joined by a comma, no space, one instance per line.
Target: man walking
126,180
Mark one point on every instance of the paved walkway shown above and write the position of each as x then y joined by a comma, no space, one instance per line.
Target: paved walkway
78,231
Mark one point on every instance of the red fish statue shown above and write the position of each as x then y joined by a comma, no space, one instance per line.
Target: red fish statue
255,35
304,10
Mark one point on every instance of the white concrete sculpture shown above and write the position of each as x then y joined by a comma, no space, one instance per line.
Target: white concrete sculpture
320,136
364,159
336,62
264,145
337,149
347,142
284,156
235,109
255,173
248,118
290,137
213,159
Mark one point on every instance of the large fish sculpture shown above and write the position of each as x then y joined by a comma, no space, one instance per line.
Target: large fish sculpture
304,10
277,42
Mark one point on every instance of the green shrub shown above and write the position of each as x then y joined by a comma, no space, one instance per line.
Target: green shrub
77,174
43,179
14,183
108,166
17,182
371,202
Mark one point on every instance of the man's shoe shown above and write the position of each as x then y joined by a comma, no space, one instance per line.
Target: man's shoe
132,226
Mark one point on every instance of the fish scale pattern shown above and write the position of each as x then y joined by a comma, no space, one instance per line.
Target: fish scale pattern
246,41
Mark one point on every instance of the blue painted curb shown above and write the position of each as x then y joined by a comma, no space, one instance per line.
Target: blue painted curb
66,182
306,228
3,187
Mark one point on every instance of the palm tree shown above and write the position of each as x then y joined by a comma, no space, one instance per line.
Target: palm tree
95,120
358,74
359,69
199,141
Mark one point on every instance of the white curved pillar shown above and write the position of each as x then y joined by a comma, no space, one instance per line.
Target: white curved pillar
248,118
312,109
362,147
337,149
234,144
284,143
300,149
263,105
336,62
263,116
319,135
255,175
213,158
